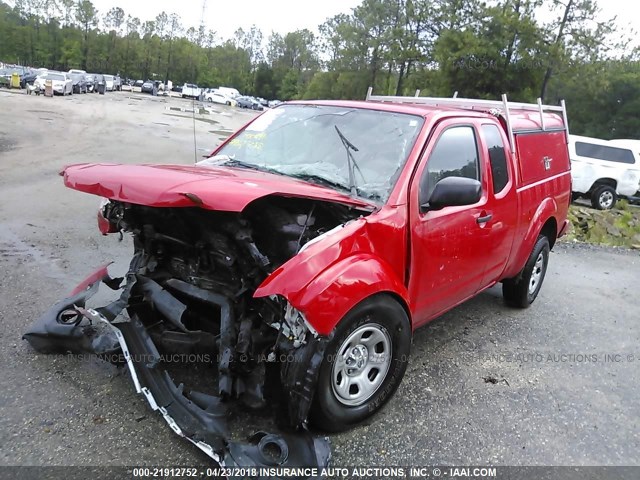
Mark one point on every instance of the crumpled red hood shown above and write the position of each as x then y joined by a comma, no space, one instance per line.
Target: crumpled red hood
213,188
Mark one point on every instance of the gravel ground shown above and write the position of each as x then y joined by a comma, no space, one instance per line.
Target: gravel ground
552,385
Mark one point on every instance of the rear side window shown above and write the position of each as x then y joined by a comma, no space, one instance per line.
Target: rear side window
455,155
602,152
497,157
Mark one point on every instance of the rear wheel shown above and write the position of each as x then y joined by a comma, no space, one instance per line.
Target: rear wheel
523,289
363,364
604,197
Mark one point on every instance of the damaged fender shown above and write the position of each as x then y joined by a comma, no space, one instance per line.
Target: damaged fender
333,275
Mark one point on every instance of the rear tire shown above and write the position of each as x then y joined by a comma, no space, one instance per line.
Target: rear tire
363,364
604,197
522,290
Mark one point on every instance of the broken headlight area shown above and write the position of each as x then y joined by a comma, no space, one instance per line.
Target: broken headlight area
189,292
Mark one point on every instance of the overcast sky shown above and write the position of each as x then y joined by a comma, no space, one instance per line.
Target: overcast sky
226,16
281,16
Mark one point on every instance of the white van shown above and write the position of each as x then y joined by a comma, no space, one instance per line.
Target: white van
229,92
603,170
627,143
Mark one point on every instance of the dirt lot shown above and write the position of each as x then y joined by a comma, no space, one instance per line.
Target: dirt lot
553,385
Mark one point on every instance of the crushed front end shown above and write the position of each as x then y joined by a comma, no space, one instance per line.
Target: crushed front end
189,290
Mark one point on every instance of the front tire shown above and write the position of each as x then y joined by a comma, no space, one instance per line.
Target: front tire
522,290
604,197
363,364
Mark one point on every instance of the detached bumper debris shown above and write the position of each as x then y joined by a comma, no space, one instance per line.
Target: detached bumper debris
200,418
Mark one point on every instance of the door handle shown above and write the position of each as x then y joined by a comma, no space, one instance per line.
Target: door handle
484,219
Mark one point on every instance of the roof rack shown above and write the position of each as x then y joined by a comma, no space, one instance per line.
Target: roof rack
503,107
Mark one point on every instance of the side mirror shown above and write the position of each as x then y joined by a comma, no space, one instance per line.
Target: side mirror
453,191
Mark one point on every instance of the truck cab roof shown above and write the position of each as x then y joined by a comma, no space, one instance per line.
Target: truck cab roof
521,120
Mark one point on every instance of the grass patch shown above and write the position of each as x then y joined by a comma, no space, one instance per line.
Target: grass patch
618,227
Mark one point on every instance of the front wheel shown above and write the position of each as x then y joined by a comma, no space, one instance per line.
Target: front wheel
363,364
604,197
522,290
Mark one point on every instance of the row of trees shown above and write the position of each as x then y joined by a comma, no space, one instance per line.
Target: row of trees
476,48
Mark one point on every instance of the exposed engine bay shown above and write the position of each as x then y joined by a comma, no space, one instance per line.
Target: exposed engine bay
189,290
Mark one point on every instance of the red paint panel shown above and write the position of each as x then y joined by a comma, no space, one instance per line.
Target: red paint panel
221,188
329,277
97,275
542,155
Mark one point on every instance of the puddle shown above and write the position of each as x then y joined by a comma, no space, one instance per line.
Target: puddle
6,143
48,112
12,246
205,120
224,133
180,109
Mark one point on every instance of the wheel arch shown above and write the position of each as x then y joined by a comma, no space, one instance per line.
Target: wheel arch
336,290
550,230
611,182
543,222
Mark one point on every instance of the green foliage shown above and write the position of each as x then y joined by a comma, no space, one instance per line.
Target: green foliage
479,49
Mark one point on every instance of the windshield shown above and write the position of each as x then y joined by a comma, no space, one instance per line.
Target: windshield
55,76
358,150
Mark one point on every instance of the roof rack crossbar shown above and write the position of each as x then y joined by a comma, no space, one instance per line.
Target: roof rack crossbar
479,104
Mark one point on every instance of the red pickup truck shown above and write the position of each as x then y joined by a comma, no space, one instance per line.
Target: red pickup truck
313,242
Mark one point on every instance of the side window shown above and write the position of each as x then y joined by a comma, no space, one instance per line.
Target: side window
497,157
601,152
455,155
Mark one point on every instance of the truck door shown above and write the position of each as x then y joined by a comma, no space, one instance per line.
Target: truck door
502,202
449,247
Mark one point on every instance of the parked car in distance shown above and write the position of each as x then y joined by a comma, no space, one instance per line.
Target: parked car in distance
274,103
229,92
215,96
101,83
190,90
109,85
249,102
262,101
28,77
60,81
603,170
137,86
5,78
117,83
79,82
147,87
74,70
90,79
